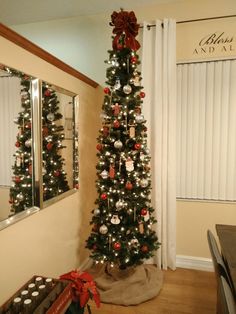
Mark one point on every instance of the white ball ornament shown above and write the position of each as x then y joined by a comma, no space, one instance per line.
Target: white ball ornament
139,118
119,204
144,183
51,116
20,196
118,144
96,211
103,229
104,174
28,143
127,89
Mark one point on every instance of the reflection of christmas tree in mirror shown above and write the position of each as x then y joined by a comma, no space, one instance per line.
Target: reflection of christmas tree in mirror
54,177
122,221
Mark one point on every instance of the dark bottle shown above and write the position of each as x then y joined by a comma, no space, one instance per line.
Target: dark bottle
27,306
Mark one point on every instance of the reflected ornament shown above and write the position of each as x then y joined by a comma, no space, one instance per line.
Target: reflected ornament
51,116
20,197
127,89
103,229
118,144
28,143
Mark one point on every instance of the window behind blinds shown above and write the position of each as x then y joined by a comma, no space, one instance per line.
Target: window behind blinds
206,130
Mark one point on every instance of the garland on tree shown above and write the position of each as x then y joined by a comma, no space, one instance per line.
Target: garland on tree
122,220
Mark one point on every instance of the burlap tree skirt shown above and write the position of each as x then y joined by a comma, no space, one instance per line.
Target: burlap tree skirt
127,287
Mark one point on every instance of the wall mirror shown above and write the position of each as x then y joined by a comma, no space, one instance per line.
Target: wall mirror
38,144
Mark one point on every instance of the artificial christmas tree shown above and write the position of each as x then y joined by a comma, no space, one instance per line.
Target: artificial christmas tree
122,235
54,177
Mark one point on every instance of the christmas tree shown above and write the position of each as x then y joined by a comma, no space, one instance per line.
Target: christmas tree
122,221
54,177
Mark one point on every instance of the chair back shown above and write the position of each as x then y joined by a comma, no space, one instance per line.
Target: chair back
227,300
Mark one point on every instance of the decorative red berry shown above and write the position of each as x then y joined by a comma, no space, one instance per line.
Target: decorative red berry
47,93
45,131
99,146
49,146
133,59
107,90
17,144
144,211
117,246
144,248
142,94
104,196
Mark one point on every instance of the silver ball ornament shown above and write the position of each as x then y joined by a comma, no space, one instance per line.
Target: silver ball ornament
139,118
127,89
20,197
103,229
144,183
96,211
118,144
28,143
51,116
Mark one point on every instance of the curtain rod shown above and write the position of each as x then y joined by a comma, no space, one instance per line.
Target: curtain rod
195,20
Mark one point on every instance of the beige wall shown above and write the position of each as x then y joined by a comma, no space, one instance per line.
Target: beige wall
4,203
51,241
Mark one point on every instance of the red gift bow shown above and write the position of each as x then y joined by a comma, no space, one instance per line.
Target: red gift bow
125,22
83,287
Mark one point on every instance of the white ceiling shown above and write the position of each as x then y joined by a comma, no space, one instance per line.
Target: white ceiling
13,12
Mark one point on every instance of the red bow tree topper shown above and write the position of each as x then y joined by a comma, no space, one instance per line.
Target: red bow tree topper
125,23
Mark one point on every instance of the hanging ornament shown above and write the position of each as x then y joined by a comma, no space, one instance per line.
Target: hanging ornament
142,94
28,125
17,144
17,179
49,146
139,118
96,211
104,196
104,174
141,228
30,169
142,156
136,80
99,146
144,249
112,172
134,242
143,211
119,205
94,247
116,124
107,90
115,220
103,229
133,59
56,173
20,197
127,89
117,84
18,161
105,130
118,144
144,183
129,164
138,109
132,132
28,143
50,116
116,109
137,146
47,93
103,115
117,246
129,185
95,228
45,131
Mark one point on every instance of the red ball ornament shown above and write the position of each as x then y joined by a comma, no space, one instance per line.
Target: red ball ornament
116,124
76,186
119,46
57,173
17,179
137,146
47,93
94,247
49,146
117,246
104,196
10,201
99,146
142,94
105,130
107,90
28,125
133,59
45,131
129,185
95,228
144,248
17,144
144,211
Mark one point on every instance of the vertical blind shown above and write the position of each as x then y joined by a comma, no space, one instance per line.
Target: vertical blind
206,130
10,104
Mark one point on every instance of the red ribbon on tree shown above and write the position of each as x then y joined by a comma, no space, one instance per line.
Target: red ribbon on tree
83,287
125,24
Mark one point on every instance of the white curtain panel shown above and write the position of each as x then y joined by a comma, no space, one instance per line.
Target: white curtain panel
10,104
159,108
206,128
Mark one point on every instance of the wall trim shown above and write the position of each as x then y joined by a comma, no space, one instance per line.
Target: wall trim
26,44
193,262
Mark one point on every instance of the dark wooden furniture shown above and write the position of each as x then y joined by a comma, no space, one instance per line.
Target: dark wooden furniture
227,238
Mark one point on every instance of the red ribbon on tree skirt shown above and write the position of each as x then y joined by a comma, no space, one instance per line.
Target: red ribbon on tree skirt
125,23
83,287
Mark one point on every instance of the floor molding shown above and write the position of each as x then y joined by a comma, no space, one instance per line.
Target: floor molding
193,262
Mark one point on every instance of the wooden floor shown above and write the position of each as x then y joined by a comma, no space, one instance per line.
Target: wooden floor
183,291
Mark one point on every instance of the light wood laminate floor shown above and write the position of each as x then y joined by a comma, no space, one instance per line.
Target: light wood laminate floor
183,291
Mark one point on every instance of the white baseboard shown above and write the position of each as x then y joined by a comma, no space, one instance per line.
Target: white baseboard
193,262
